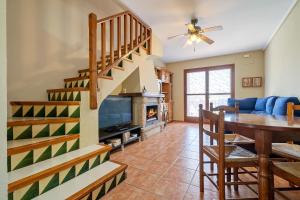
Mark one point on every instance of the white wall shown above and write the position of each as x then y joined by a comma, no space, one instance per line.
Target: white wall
282,58
244,67
47,42
3,98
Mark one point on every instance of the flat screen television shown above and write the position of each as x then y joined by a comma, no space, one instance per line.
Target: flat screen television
115,111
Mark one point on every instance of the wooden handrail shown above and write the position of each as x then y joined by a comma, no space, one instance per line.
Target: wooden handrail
134,33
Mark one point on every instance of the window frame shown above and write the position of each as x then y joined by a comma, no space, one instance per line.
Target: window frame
207,94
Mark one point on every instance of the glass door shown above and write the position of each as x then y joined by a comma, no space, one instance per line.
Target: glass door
205,85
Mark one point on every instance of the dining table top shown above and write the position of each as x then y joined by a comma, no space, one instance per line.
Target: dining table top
264,122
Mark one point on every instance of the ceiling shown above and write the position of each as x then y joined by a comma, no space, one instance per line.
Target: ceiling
248,24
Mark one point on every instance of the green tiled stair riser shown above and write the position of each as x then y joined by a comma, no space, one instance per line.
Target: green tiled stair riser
45,110
34,189
64,96
100,191
24,159
42,130
78,83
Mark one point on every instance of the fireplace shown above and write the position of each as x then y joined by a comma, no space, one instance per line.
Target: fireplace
151,113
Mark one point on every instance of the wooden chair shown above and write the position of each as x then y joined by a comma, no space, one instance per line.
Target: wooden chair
289,171
288,150
223,155
232,138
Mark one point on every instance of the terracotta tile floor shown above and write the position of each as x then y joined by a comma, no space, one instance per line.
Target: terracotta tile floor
165,166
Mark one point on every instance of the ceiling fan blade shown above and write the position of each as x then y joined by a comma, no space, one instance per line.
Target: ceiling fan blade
191,27
205,39
171,37
214,28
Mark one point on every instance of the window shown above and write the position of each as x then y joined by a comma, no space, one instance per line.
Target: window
205,85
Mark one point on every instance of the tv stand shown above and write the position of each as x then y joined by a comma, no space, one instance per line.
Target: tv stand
119,133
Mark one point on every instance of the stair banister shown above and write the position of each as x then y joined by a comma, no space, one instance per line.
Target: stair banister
141,36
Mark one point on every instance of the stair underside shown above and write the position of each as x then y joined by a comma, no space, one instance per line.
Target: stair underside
94,183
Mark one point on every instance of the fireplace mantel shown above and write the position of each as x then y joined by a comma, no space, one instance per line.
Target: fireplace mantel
140,94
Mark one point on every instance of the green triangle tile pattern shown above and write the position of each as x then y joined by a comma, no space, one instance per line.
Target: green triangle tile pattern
75,129
70,175
18,113
47,154
52,113
78,97
32,192
26,134
109,73
112,185
130,57
96,162
101,193
138,50
61,150
54,182
40,113
45,132
75,146
60,131
26,161
120,64
64,98
64,113
84,168
106,157
29,113
8,163
71,97
58,98
76,113
10,196
10,133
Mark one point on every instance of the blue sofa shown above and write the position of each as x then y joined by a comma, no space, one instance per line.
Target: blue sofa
272,105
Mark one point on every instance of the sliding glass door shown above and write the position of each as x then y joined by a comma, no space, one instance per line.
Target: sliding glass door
205,85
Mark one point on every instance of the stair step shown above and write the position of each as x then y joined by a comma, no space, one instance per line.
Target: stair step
28,128
66,94
92,185
42,176
45,109
22,153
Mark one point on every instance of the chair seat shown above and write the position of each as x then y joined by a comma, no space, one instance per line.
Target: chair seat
289,171
232,153
287,150
237,139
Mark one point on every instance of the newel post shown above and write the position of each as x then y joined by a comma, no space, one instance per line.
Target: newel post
93,60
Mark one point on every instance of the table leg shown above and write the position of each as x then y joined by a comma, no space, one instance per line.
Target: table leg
263,146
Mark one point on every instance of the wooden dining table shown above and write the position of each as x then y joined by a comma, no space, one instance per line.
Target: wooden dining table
265,130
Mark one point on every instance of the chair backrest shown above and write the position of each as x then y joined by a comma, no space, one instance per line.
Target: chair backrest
291,107
216,124
235,109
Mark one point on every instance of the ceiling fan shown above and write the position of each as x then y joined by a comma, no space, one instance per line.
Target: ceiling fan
195,33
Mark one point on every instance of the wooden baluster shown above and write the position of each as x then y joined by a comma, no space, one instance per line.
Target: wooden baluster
141,32
93,60
149,46
125,34
103,46
145,32
131,32
112,39
136,33
119,37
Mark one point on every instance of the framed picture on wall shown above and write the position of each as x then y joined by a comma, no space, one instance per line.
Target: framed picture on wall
247,82
257,81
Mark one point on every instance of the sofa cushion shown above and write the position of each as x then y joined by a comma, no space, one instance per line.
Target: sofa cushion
259,112
260,104
280,106
245,104
270,104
